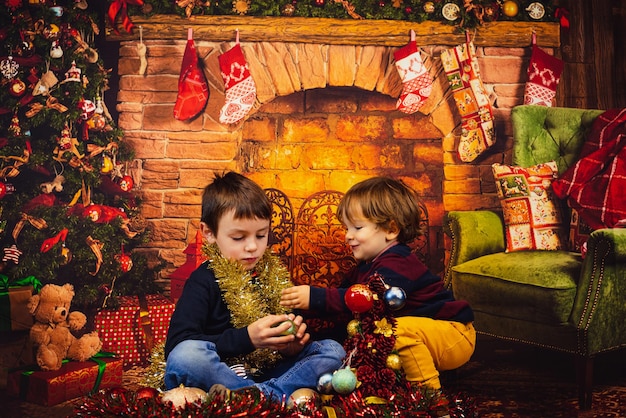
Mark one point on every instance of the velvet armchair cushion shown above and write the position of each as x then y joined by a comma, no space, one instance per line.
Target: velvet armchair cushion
535,286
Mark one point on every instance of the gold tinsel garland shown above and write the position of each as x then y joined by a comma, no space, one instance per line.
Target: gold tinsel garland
250,295
154,376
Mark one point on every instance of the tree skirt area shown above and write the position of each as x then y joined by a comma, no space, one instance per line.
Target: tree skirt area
503,380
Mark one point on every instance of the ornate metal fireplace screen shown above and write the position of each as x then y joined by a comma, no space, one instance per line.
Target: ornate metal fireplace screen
313,245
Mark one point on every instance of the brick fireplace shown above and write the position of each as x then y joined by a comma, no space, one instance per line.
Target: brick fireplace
325,118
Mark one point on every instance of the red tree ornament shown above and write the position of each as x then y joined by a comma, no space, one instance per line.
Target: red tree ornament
359,298
126,183
125,262
5,189
147,392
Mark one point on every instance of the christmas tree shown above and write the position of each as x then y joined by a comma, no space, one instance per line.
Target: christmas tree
68,210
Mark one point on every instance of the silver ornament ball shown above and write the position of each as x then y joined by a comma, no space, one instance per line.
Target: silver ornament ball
395,298
325,384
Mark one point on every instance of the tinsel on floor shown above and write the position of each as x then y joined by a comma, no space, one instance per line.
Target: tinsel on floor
120,402
371,382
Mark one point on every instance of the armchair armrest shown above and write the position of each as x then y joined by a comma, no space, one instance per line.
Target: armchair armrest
601,294
473,234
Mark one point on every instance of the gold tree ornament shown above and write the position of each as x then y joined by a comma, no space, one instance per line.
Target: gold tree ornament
394,362
241,7
353,327
383,327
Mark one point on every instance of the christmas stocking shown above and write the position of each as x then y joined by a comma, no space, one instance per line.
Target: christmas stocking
416,82
239,85
193,92
544,73
472,100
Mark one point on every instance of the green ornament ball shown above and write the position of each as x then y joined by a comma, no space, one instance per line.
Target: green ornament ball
344,381
290,331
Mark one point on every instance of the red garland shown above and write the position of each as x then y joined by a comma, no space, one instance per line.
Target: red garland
372,349
407,402
120,7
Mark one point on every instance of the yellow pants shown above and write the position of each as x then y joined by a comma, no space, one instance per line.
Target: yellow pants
427,346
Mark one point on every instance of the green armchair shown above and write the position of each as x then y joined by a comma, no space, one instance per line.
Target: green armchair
551,299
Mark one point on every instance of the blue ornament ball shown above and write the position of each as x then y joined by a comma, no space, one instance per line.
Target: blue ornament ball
344,381
325,384
395,298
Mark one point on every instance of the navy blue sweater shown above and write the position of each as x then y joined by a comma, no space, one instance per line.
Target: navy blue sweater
426,295
201,314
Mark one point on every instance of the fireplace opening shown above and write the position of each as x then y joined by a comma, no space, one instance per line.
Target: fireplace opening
332,138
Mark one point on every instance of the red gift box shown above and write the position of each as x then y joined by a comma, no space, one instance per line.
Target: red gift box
74,379
131,331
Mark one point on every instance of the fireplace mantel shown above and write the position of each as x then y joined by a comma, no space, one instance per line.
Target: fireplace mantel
335,31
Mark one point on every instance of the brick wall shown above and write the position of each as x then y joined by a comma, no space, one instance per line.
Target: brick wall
325,118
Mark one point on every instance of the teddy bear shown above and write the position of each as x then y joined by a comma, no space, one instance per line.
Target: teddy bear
51,332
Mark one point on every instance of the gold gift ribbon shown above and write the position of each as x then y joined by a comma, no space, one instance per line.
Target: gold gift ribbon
38,223
51,102
96,247
94,150
13,170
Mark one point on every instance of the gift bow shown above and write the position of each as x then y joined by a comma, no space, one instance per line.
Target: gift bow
94,150
38,223
51,102
121,7
26,281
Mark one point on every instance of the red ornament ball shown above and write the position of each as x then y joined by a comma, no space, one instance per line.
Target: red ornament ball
126,263
118,393
146,393
5,189
359,298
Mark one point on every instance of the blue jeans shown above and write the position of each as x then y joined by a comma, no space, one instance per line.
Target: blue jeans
195,363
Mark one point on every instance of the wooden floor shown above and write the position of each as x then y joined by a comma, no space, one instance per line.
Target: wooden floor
505,379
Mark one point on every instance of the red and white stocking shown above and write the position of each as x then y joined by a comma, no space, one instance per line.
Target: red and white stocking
416,81
193,91
472,100
544,73
239,85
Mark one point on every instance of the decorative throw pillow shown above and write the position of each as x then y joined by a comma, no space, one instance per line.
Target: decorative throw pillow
532,214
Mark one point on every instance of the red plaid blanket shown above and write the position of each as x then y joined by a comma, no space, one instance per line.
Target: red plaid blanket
596,185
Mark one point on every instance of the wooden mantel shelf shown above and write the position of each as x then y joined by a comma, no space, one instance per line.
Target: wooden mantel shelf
335,31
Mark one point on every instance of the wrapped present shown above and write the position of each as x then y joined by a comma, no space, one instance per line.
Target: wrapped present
16,350
14,295
72,380
135,327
